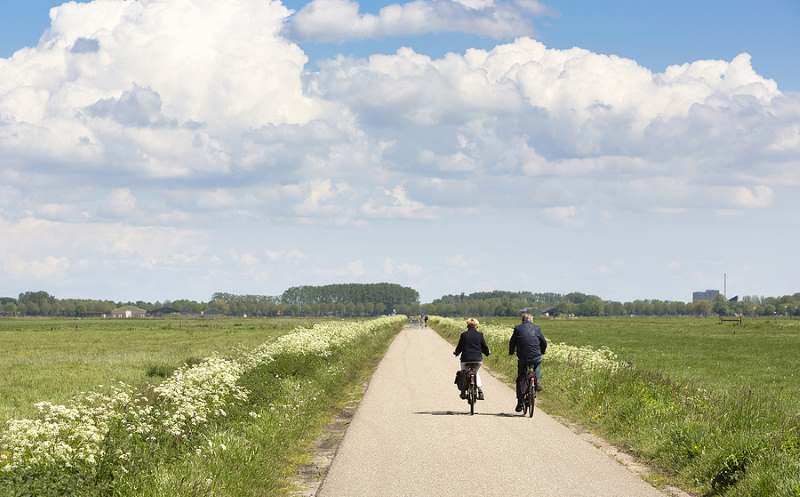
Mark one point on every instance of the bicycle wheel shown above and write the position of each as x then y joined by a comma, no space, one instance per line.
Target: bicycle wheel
531,398
472,396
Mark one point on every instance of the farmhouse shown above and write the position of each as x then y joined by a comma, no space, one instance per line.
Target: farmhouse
128,312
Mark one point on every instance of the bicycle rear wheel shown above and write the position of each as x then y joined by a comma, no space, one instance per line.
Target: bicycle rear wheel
531,398
472,397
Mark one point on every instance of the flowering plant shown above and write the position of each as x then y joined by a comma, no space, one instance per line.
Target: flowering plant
64,446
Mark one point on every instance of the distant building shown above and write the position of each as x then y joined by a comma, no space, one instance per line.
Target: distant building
551,312
164,311
708,295
128,312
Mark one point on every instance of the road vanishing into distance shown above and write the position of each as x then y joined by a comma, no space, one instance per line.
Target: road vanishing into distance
413,437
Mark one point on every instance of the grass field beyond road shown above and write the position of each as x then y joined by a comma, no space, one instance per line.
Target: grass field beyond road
762,354
53,359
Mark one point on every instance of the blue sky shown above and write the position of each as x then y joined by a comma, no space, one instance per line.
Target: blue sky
186,147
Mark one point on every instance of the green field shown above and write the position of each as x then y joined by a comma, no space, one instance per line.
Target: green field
762,354
236,426
53,359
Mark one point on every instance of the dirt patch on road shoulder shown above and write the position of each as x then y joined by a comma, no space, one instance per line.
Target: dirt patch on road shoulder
310,475
312,471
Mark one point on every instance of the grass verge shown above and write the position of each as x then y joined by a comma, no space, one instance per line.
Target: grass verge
736,443
249,449
256,450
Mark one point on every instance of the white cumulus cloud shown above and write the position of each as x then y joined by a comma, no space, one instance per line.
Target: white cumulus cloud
336,20
134,133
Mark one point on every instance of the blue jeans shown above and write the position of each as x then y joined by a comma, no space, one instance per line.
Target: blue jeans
522,375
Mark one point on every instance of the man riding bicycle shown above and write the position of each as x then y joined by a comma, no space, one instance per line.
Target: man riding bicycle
472,347
529,344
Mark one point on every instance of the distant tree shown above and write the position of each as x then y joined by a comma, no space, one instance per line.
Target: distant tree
720,306
702,308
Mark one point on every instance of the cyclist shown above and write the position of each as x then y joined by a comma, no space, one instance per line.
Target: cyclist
472,347
529,344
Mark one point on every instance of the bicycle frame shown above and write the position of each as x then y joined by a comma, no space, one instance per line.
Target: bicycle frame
472,388
530,392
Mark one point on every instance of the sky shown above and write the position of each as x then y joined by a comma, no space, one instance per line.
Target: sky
165,149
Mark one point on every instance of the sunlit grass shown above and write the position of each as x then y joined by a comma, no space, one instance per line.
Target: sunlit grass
53,359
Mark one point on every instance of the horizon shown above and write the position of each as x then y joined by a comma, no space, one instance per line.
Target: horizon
162,150
421,300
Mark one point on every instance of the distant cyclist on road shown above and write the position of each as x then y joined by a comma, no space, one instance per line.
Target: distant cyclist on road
472,347
529,344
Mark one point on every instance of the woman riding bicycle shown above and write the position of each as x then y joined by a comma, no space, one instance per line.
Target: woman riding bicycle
472,347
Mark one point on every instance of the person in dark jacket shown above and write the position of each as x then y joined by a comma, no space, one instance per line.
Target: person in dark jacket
472,347
529,344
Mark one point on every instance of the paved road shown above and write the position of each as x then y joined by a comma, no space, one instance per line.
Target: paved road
412,437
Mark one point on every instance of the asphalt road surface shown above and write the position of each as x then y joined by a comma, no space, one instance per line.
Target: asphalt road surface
413,437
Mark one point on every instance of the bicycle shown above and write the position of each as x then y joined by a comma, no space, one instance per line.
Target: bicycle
529,399
472,388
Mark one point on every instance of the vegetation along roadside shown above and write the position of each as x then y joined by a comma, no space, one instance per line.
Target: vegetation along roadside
226,426
733,443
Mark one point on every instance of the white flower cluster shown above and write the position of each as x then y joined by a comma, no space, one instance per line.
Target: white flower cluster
194,393
582,357
72,436
72,439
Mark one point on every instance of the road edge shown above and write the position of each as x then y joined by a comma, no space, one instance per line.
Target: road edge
310,476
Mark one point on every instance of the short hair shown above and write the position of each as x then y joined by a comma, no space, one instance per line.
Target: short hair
527,317
472,323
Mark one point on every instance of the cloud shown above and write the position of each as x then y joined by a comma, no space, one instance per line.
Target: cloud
549,128
45,248
459,261
85,45
121,202
135,63
354,269
138,107
391,268
151,135
338,20
38,269
286,256
564,215
394,204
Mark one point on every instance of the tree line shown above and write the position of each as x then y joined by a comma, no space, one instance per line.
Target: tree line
501,303
353,300
347,300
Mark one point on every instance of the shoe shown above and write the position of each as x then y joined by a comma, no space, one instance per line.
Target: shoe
480,394
463,395
519,407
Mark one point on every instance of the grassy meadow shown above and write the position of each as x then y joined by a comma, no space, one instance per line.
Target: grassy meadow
713,411
53,359
762,354
236,426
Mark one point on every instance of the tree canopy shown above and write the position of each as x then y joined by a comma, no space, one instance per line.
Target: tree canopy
384,298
